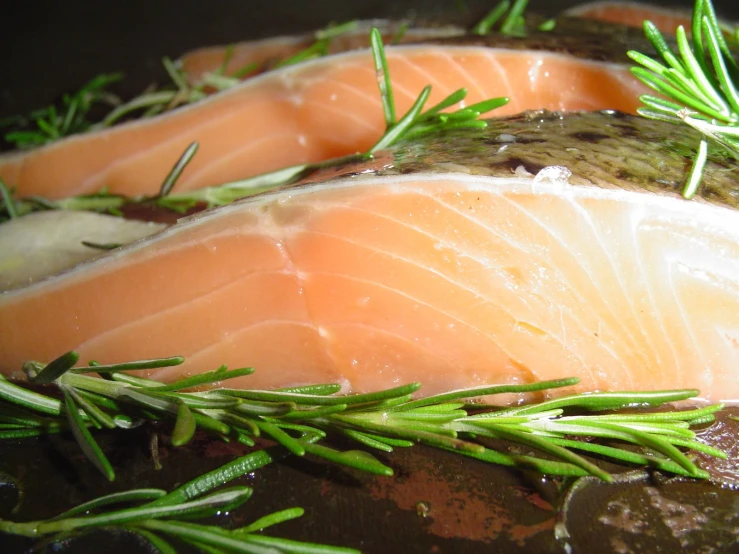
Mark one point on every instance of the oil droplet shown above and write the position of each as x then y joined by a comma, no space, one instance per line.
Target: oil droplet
534,73
554,174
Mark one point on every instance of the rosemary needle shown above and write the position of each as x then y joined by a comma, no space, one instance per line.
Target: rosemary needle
8,202
178,168
485,25
696,171
48,124
511,19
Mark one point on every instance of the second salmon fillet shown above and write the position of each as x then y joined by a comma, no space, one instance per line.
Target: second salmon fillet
444,261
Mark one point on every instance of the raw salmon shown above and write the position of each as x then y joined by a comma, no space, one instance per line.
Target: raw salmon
460,259
326,108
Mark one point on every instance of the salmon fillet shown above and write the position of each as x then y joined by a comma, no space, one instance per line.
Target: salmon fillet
320,109
456,260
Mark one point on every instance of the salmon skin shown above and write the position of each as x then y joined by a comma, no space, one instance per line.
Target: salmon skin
546,245
328,108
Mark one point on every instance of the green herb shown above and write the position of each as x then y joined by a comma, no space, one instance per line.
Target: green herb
511,19
700,82
179,92
102,246
514,23
485,25
547,25
400,33
82,433
8,203
52,123
177,170
298,418
321,46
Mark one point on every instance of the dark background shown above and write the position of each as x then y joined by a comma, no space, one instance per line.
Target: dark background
48,47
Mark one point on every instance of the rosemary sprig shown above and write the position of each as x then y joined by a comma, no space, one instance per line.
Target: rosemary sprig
50,123
7,201
321,46
177,93
296,418
699,82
